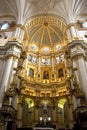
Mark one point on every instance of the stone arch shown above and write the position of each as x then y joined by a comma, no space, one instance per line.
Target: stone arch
28,111
45,112
63,112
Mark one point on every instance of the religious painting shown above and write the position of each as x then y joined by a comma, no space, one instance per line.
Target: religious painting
45,75
31,72
60,73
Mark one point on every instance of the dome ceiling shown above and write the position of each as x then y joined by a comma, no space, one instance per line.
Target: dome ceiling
48,31
45,35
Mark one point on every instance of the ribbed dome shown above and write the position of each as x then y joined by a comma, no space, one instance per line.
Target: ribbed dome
47,32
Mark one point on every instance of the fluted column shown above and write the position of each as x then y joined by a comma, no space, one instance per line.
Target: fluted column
76,73
12,53
82,74
5,77
77,50
71,29
17,80
2,65
18,33
14,101
74,32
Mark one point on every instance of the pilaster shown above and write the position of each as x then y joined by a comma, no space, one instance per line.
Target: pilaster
76,52
11,51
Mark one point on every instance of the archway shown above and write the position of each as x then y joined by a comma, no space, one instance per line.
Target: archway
45,113
63,113
28,111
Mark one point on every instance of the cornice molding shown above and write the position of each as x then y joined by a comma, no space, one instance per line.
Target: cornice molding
8,49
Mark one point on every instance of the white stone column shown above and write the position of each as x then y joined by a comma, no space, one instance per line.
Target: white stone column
75,71
15,63
6,77
2,65
22,34
76,50
74,32
82,74
74,99
10,100
71,83
14,102
18,33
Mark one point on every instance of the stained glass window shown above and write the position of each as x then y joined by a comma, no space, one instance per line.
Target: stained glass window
33,47
62,57
48,62
58,47
34,60
57,60
43,61
30,57
46,49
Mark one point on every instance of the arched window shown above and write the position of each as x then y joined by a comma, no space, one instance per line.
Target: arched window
31,72
30,102
60,73
30,57
45,75
5,25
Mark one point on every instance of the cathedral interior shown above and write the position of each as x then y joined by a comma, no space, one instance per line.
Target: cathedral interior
43,64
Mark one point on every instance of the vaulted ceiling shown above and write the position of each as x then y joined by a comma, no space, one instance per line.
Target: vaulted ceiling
46,31
69,10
